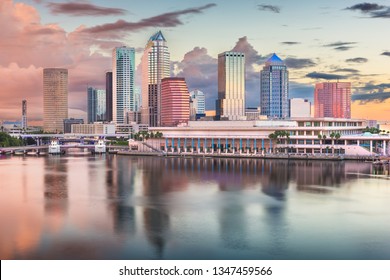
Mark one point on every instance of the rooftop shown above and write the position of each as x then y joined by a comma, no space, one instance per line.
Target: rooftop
158,37
274,60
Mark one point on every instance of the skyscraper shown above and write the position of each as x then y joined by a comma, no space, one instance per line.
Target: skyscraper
109,97
332,99
55,99
123,60
175,101
274,91
198,101
231,86
96,105
24,114
155,67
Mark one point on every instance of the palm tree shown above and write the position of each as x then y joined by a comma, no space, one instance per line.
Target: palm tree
337,136
320,138
272,136
332,135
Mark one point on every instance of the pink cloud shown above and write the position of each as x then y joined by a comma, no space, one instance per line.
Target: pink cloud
27,46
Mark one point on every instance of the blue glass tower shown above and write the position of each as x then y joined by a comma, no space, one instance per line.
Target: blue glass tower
274,93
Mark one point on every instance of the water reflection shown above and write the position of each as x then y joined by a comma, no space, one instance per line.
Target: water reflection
113,207
55,185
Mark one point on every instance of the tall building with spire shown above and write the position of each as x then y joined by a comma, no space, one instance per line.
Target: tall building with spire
155,67
123,63
274,89
55,99
231,86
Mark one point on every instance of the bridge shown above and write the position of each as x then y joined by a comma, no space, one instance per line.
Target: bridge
44,148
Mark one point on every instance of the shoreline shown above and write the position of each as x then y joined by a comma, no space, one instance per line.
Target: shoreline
258,156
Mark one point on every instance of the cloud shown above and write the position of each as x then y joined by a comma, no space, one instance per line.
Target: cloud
170,19
347,70
299,63
357,60
386,53
325,76
42,45
370,87
290,43
83,9
373,10
269,8
366,7
201,72
370,97
341,46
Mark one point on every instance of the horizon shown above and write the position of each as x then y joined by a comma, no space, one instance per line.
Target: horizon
326,41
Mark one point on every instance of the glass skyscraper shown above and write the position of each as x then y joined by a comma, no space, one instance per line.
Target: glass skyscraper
274,89
231,86
155,67
96,105
122,82
198,100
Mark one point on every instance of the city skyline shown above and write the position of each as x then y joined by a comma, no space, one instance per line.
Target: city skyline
325,41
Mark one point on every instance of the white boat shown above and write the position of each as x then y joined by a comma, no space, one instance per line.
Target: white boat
54,147
100,147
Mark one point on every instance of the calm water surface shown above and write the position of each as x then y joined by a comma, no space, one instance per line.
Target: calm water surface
117,207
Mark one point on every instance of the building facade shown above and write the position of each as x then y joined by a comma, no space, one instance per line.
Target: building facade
123,65
332,100
300,108
155,67
274,89
55,99
307,136
230,104
94,128
109,97
69,122
96,105
198,101
175,102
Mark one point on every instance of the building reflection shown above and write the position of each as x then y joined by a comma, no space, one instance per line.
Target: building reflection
56,185
119,179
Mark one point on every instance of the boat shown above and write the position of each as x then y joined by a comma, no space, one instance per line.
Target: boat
100,147
54,147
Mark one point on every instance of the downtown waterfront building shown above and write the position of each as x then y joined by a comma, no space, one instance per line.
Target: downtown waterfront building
155,64
230,104
55,99
175,102
96,101
274,89
109,96
123,74
307,137
332,100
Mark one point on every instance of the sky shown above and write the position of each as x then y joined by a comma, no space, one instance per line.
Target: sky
318,40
